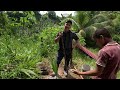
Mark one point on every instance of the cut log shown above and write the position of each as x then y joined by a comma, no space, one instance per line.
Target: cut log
88,52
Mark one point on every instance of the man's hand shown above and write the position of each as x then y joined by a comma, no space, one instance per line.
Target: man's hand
58,37
74,71
60,34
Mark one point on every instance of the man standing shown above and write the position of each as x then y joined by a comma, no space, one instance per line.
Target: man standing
65,45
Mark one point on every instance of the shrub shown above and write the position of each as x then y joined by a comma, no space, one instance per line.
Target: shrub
116,38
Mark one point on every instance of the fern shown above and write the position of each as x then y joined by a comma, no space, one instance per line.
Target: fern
29,73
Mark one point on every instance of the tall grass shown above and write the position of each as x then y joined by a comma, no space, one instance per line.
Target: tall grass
17,54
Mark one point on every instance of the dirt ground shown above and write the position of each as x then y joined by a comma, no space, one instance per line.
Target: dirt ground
61,74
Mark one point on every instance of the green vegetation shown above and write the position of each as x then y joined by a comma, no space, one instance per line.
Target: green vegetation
27,37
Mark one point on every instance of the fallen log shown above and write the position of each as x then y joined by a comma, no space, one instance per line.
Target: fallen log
88,52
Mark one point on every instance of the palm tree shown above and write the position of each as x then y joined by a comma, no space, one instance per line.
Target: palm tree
85,18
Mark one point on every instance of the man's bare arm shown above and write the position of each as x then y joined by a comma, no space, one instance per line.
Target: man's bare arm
58,37
95,72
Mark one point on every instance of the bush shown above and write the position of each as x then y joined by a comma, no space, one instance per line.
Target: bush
47,43
116,38
82,33
100,18
89,33
111,29
81,39
98,25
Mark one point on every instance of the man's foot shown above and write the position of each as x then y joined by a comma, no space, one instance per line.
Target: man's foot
65,73
52,74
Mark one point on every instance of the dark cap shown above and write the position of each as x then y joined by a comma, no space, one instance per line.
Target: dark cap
69,21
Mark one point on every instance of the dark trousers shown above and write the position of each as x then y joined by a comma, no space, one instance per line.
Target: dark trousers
67,59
